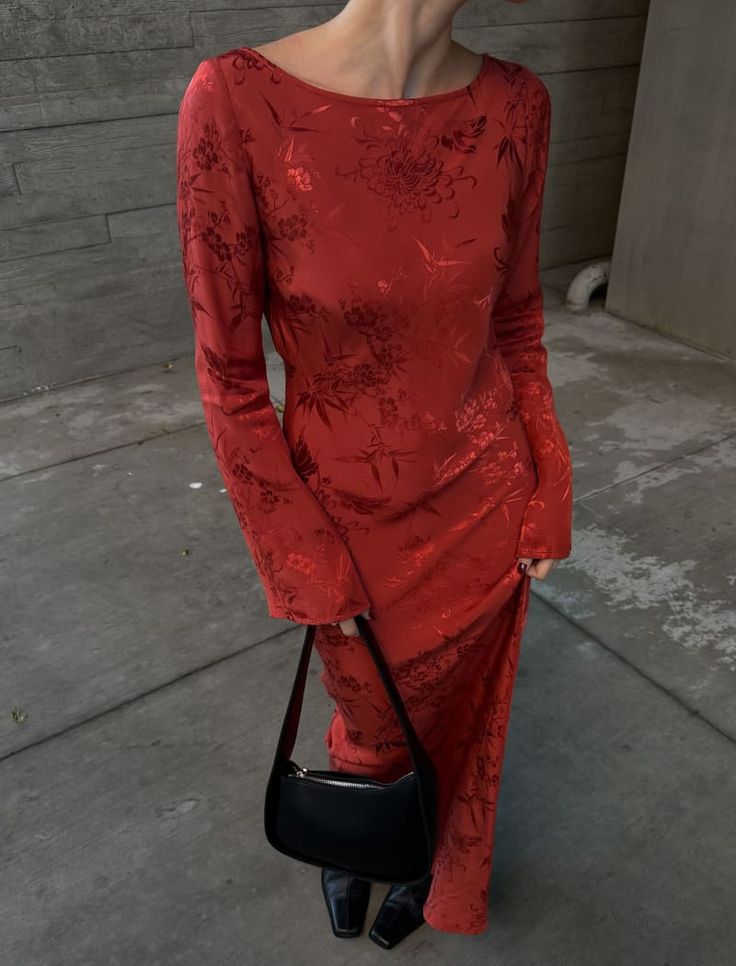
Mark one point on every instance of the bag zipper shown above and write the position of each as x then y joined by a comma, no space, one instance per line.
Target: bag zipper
302,772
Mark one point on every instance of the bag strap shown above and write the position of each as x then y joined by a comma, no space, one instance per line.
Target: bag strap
421,762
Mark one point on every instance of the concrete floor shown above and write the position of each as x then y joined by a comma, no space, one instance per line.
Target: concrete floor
143,685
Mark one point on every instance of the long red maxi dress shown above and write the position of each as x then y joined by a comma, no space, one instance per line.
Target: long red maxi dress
393,246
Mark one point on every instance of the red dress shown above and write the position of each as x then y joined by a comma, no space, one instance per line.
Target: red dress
392,245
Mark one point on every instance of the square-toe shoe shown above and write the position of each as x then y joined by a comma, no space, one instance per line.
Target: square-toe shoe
347,899
400,913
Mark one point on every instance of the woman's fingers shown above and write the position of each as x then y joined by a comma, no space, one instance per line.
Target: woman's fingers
349,627
541,569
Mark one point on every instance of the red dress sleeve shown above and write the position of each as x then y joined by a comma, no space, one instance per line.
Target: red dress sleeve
303,563
518,321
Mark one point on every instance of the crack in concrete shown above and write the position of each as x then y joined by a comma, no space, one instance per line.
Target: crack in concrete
142,695
692,711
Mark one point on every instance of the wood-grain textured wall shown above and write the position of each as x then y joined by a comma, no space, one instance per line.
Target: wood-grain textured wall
90,271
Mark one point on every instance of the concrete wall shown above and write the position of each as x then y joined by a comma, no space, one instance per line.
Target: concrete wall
90,273
674,261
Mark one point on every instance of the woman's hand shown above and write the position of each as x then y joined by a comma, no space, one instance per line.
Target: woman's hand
349,627
539,569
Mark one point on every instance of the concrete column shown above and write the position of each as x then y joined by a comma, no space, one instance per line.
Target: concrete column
674,258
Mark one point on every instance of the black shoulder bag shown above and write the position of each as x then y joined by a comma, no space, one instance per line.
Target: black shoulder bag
381,831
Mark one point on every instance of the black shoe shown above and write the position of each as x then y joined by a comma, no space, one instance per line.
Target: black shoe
347,899
400,913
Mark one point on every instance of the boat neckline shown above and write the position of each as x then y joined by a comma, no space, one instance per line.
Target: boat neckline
467,89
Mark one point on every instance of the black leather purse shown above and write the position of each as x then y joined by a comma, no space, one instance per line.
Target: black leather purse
380,831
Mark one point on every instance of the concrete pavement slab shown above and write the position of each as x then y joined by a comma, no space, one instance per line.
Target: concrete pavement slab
653,574
629,399
120,571
70,422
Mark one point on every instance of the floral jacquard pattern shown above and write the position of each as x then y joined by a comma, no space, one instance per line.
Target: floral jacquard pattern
392,248
404,170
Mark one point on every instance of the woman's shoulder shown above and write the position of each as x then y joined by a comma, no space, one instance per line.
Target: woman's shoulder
522,79
223,72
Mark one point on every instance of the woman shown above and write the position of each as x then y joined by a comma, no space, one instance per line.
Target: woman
390,233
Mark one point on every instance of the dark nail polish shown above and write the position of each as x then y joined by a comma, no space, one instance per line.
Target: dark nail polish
522,567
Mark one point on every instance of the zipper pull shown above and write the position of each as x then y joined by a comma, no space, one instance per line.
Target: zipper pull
301,771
